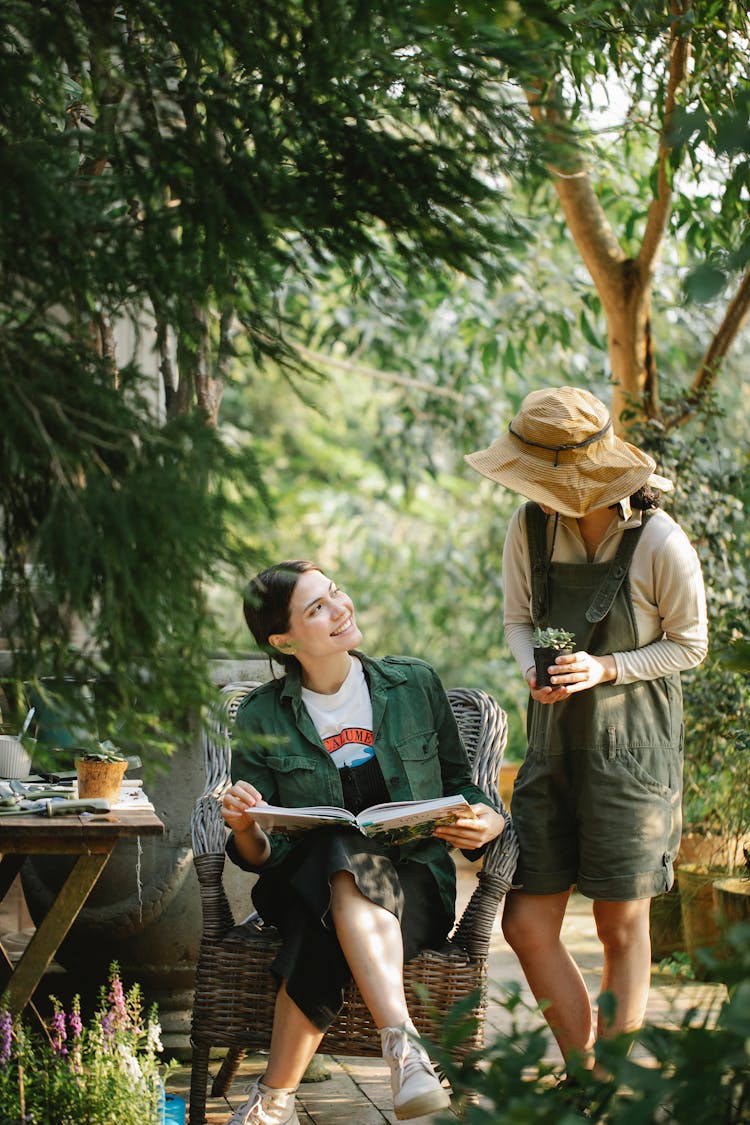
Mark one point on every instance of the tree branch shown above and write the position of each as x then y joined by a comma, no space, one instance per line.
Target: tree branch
372,373
661,205
601,252
710,367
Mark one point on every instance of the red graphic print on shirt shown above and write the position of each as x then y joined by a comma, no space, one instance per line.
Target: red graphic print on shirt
350,747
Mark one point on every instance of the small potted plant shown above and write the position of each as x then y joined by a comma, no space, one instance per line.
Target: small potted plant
100,768
548,644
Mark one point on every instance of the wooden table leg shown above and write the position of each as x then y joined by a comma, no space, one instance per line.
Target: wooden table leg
51,931
10,865
6,972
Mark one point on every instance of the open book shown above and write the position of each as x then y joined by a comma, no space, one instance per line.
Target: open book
394,823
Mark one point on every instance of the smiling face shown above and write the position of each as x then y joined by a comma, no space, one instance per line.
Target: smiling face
321,620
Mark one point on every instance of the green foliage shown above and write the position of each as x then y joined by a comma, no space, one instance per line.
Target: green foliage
164,170
253,187
612,71
698,1072
710,464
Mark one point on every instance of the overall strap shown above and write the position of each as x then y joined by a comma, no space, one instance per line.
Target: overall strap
536,534
601,603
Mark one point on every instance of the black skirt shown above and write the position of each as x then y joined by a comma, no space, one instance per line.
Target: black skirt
296,898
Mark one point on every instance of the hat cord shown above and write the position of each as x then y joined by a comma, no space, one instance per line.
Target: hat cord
557,449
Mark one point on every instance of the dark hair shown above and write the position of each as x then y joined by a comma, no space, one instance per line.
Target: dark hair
266,604
646,497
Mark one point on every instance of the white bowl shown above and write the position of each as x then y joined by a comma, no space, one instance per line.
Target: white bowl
14,761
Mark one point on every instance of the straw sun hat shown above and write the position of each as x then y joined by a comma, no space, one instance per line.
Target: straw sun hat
561,451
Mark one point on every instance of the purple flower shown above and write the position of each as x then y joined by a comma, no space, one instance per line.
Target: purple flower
118,1003
6,1036
75,1025
108,1030
58,1034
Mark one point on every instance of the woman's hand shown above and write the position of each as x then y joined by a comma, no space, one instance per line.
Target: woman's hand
236,808
573,672
470,833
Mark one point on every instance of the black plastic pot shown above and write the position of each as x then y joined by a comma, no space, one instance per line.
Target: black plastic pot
543,659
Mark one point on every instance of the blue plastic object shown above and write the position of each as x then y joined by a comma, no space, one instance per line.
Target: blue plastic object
172,1109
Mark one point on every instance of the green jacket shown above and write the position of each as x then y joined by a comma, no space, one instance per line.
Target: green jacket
277,748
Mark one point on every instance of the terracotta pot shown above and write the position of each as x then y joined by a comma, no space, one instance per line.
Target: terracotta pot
100,778
543,658
711,849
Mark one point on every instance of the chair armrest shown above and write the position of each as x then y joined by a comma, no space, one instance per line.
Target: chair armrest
207,826
484,729
208,830
218,917
494,880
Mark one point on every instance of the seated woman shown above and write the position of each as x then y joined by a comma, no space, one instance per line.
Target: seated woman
342,728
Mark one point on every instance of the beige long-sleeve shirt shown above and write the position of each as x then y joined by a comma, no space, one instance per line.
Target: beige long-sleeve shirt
666,584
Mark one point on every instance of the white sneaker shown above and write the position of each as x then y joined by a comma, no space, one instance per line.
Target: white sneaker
266,1107
416,1087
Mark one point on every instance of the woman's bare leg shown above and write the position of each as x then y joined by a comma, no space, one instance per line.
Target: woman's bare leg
294,1041
623,929
532,926
370,938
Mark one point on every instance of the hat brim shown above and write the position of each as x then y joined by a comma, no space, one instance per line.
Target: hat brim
567,482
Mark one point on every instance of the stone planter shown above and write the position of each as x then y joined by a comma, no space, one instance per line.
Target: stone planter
665,924
702,932
732,899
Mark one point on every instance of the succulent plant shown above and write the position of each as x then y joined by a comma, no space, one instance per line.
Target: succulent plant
99,752
557,639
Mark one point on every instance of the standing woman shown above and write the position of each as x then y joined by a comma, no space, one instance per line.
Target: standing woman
597,802
342,728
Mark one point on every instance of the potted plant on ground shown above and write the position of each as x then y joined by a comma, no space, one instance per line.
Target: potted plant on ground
732,892
732,895
548,644
100,768
725,809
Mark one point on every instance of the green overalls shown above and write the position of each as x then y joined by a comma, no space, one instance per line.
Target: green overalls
597,802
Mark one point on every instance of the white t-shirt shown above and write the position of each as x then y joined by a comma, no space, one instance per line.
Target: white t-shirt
344,720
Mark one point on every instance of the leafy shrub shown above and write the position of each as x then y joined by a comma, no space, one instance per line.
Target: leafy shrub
106,1072
694,1074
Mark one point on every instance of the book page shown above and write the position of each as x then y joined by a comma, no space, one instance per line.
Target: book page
394,810
276,818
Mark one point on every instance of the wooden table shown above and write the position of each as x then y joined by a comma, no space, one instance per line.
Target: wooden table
90,837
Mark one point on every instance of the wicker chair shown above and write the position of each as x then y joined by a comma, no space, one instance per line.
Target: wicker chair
234,989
